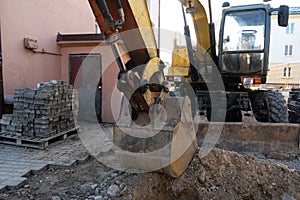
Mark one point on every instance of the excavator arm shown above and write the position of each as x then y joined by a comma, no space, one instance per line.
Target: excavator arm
136,20
154,131
199,17
129,22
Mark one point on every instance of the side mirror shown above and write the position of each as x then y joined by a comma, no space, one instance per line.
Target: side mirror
283,16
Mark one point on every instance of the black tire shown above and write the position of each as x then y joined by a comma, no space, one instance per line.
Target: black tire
270,106
294,106
234,116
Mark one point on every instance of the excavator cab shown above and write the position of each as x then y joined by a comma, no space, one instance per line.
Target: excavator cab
244,39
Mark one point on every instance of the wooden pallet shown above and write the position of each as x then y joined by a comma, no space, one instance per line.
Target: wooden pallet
37,143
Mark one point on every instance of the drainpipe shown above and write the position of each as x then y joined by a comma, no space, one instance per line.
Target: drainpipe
158,42
1,80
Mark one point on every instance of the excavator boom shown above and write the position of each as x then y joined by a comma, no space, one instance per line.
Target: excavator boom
139,39
154,132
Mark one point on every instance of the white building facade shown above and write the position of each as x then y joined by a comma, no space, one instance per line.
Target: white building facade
284,67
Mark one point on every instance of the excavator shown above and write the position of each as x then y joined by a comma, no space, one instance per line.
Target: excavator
156,130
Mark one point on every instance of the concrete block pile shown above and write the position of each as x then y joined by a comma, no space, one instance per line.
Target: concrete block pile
42,112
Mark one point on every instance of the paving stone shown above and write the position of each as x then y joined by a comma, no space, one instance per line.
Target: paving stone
15,162
14,182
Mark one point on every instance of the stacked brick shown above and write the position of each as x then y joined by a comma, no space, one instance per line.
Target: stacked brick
43,112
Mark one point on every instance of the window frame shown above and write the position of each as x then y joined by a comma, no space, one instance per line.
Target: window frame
287,71
288,50
290,29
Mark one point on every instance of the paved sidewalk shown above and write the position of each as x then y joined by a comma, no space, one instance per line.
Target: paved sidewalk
16,162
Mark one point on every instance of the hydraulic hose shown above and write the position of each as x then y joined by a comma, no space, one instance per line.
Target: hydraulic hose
120,10
104,9
192,71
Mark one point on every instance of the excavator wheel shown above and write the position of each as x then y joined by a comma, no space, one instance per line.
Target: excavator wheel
269,106
294,106
166,143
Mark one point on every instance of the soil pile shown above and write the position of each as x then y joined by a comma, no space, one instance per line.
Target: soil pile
223,175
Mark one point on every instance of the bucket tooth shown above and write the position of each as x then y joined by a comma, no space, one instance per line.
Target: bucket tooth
167,143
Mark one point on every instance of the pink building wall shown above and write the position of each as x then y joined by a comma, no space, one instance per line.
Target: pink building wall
40,20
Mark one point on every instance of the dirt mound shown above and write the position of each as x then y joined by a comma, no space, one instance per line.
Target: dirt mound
222,175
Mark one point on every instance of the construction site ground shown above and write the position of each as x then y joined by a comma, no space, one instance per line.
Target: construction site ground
66,171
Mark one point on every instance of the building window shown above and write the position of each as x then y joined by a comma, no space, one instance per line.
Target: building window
288,50
287,71
290,28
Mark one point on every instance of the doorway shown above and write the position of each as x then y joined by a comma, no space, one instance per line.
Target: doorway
85,73
1,80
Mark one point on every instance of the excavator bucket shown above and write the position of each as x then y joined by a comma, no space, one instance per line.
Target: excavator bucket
167,143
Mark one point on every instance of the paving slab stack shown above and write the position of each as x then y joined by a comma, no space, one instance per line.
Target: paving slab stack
42,112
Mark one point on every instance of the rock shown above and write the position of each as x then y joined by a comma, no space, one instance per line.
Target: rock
26,186
97,191
280,156
122,185
98,197
86,187
202,177
213,188
114,175
286,196
252,157
123,190
55,198
94,186
113,190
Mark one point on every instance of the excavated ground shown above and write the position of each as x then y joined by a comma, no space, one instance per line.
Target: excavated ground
220,175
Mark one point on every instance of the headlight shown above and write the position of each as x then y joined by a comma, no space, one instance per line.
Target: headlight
248,81
177,78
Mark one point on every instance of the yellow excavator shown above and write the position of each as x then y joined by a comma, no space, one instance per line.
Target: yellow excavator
156,130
